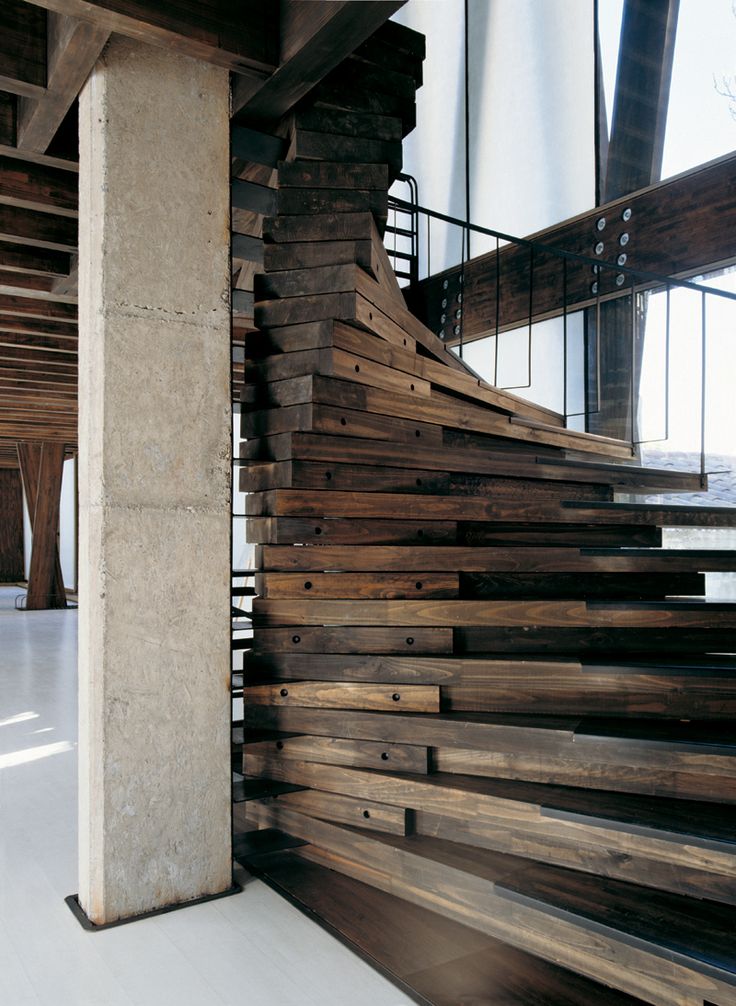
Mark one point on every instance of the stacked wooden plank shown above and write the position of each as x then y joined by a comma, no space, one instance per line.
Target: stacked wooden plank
488,688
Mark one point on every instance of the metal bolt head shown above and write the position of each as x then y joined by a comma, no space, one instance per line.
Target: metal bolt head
443,319
456,330
620,279
621,260
624,239
459,313
441,333
594,287
600,224
444,303
445,284
595,269
599,248
626,215
459,298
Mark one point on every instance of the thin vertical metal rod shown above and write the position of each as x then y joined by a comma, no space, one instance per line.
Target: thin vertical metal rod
598,343
498,312
632,403
667,368
703,379
531,309
564,339
467,124
429,245
461,302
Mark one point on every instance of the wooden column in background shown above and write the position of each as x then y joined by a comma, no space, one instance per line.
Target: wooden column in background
11,526
41,466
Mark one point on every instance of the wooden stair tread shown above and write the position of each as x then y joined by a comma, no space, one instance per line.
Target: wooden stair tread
670,508
703,824
700,931
716,738
315,446
486,730
435,957
489,559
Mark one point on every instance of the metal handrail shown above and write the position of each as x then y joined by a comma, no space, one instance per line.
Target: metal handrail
636,277
651,277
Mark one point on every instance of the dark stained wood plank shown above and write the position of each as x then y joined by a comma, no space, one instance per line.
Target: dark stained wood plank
22,48
239,39
11,526
643,75
358,585
368,814
498,559
306,639
439,959
35,307
73,49
314,39
35,187
41,230
335,751
346,695
41,467
700,200
27,259
7,119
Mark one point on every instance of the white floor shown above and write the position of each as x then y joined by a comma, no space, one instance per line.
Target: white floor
252,949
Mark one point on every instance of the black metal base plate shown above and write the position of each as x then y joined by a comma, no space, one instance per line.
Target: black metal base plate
80,915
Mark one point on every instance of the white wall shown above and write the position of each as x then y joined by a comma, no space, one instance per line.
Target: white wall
532,152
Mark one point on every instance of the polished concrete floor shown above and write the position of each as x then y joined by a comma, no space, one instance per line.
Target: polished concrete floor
252,949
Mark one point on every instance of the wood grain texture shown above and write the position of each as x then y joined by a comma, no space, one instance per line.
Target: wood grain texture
419,529
41,467
11,526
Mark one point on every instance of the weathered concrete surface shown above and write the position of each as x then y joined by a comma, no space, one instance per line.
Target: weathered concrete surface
154,348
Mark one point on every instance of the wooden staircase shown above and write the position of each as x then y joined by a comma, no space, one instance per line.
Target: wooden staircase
477,682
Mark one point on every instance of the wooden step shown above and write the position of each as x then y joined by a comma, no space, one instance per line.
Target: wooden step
681,846
530,587
663,947
260,476
434,959
703,686
564,750
497,560
326,503
664,516
442,412
313,447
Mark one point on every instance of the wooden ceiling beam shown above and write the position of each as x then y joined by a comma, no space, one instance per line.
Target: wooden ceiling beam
22,49
40,357
32,396
32,332
38,187
73,49
27,259
314,37
20,283
18,431
679,227
32,307
42,230
238,36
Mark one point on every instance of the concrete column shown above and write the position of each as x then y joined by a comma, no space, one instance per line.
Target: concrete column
154,438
